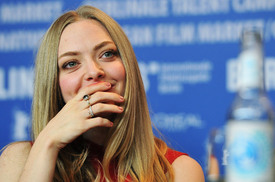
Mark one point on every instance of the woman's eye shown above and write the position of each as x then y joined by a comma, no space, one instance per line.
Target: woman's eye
109,54
69,64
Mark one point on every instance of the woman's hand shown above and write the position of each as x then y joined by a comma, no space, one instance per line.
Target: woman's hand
74,118
72,121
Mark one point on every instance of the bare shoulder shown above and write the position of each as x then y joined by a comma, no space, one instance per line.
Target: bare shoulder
13,159
16,149
187,170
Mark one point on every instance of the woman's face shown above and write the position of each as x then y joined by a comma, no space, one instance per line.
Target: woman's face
88,55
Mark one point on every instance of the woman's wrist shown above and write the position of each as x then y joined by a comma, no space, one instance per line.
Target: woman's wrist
46,143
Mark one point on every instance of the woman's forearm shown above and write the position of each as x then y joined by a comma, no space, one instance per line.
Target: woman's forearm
40,165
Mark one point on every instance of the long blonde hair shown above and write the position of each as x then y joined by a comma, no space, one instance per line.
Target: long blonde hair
131,141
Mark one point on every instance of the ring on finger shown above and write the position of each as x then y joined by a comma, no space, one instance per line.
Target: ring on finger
91,113
86,98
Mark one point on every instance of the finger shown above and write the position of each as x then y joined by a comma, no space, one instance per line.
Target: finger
105,97
98,121
101,97
91,89
77,105
101,108
82,126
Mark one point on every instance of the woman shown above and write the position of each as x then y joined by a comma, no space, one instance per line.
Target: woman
90,115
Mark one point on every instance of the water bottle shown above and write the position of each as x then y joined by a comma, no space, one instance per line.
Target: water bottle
249,129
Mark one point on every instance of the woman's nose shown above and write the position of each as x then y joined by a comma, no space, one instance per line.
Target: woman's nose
94,71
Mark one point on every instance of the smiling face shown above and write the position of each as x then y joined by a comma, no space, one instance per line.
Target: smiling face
88,55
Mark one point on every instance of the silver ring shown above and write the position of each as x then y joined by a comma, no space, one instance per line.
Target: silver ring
91,113
86,98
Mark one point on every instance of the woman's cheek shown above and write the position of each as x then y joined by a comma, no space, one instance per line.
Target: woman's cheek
69,87
117,71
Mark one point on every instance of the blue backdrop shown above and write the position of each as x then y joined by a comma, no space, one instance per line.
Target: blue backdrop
187,51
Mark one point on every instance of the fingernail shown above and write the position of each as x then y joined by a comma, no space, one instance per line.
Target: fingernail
121,98
111,124
107,84
120,108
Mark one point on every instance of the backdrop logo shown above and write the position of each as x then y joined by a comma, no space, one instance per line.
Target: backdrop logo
177,122
20,40
16,83
231,74
30,12
131,9
21,126
172,76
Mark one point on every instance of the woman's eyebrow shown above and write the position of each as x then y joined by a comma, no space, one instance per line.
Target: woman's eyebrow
102,44
69,53
75,53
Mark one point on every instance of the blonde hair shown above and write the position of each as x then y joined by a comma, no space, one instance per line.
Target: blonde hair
131,141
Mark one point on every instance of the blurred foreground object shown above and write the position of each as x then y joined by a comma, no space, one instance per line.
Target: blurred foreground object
249,130
216,155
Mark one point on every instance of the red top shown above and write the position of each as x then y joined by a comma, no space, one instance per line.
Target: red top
97,154
171,155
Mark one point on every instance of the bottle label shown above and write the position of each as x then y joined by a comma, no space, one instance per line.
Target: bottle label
250,69
250,150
